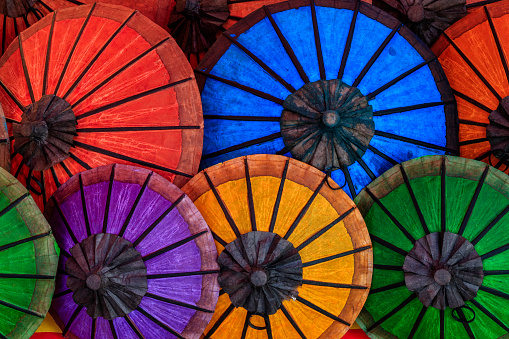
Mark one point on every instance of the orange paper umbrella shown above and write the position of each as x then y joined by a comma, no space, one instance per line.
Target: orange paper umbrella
17,15
473,53
295,255
94,85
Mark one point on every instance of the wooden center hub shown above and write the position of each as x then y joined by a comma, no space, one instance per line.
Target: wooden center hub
258,278
442,277
94,282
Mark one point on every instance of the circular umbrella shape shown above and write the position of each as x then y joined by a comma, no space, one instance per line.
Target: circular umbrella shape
28,256
473,53
137,260
440,233
98,84
29,12
341,86
295,257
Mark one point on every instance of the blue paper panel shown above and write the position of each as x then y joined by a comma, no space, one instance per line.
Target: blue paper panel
262,41
399,150
221,99
369,34
237,66
426,124
333,27
297,27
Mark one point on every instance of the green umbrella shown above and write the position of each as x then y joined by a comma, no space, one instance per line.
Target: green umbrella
28,261
440,232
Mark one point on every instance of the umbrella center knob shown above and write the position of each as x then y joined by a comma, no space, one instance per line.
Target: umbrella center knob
36,130
258,278
442,277
94,282
416,13
330,118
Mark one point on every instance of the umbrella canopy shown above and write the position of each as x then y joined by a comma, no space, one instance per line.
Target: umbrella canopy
17,15
138,259
295,256
439,228
5,147
98,84
340,87
473,55
28,257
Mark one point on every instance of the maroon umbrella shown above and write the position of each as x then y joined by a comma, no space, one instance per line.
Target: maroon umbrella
138,260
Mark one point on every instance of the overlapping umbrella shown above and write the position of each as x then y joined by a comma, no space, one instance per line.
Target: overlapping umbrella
138,260
439,228
341,86
5,148
295,255
98,84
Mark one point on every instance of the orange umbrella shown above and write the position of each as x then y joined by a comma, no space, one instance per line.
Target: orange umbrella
118,75
473,53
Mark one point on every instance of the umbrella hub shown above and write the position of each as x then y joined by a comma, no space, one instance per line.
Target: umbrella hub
327,124
45,133
444,270
106,269
267,268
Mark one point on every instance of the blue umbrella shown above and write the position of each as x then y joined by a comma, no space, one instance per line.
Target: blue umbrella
340,85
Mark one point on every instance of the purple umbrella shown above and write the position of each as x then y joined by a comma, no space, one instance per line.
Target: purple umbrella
138,260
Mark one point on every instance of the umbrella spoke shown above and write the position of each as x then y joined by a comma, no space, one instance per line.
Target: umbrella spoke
136,202
278,198
226,213
246,324
61,294
17,308
389,214
494,292
173,246
113,331
336,256
261,63
348,179
218,239
383,155
94,324
108,199
490,315
473,201
4,30
466,325
71,320
292,322
160,323
48,54
268,328
134,129
472,101
473,141
392,312
13,204
134,327
244,88
64,220
66,65
366,169
481,3
443,201
250,197
497,41
335,285
349,40
388,245
496,272
55,178
155,223
375,56
490,226
84,206
387,288
96,56
415,142
241,118
321,310
388,267
442,324
25,69
472,67
495,252
417,322
178,303
242,145
218,323
9,93
318,43
286,46
130,159
325,229
304,209
22,241
25,276
473,123
414,200
79,161
180,274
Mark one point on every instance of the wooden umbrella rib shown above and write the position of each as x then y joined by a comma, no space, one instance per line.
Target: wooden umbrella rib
180,274
292,322
134,129
66,169
348,179
133,326
466,325
73,48
366,169
442,324
64,220
496,272
473,141
84,206
240,118
414,200
97,55
243,145
48,54
335,256
21,309
25,20
376,55
325,229
473,201
178,303
71,320
28,183
387,287
46,6
472,101
318,43
411,108
268,328
392,312
490,315
264,66
55,178
383,155
221,203
495,252
16,29
275,210
218,323
246,324
4,31
322,311
473,123
135,204
349,40
388,267
76,2
415,142
158,220
494,292
173,246
304,210
335,285
22,241
130,159
481,3
25,276
65,253
497,42
472,67
18,170
218,239
160,323
119,71
250,199
443,201
417,322
286,46
388,245
490,225
61,294
131,98
9,93
13,204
